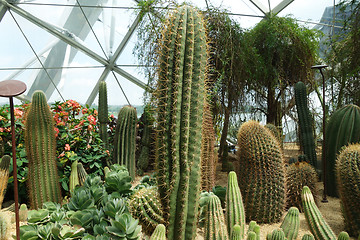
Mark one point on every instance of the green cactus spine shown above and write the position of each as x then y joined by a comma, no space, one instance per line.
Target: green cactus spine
236,233
276,132
3,227
317,224
4,176
343,128
145,205
308,237
215,227
343,236
262,187
348,182
208,153
305,123
103,113
291,223
298,175
235,213
159,233
40,142
277,234
125,139
180,102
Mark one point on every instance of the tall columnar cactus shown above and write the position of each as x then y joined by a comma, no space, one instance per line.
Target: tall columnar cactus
103,113
4,176
82,174
348,181
305,123
159,233
40,142
74,177
343,128
291,223
208,154
145,205
298,175
317,224
125,139
215,227
180,98
262,173
235,213
143,161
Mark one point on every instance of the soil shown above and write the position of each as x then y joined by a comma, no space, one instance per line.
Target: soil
331,210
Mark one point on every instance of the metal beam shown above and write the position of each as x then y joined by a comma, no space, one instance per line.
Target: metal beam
3,10
260,6
112,61
281,6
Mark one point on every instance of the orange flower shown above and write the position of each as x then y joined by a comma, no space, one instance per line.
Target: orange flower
67,147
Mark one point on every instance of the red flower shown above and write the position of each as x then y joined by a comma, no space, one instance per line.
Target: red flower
85,110
56,131
67,147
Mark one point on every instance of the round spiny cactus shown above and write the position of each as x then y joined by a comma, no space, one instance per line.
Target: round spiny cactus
262,173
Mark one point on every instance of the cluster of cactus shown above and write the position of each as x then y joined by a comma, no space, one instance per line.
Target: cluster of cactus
342,129
262,173
348,182
103,113
143,160
298,175
4,176
291,223
215,227
125,139
145,205
253,232
236,233
180,98
40,142
306,123
235,213
208,154
317,224
276,132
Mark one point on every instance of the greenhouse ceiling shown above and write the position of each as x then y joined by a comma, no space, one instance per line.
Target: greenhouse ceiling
67,46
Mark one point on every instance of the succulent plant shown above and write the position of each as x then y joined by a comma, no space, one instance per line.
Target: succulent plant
298,175
215,227
124,226
4,176
277,234
253,231
180,98
343,236
103,113
74,177
262,173
236,233
342,129
235,213
145,205
305,123
291,223
125,139
43,180
317,224
308,236
348,182
159,233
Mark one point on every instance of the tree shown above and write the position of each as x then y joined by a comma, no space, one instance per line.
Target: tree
287,51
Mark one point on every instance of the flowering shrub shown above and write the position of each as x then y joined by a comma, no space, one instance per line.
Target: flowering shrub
76,129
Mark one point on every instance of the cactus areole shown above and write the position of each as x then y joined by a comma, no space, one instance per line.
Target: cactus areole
180,98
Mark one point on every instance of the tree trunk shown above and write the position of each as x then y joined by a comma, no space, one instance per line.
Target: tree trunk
224,132
274,114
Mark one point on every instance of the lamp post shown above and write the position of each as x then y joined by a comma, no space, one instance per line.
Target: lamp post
320,67
10,89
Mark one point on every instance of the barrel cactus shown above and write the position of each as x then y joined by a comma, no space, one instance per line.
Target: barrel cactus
291,223
43,181
305,123
125,139
215,227
343,128
235,213
348,181
145,205
180,98
262,173
317,224
4,176
298,175
276,132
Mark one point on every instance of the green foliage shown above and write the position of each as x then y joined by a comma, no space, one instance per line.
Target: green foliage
262,173
118,180
342,129
305,123
180,100
348,182
317,224
124,227
41,152
291,223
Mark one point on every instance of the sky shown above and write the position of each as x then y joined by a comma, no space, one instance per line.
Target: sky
78,81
